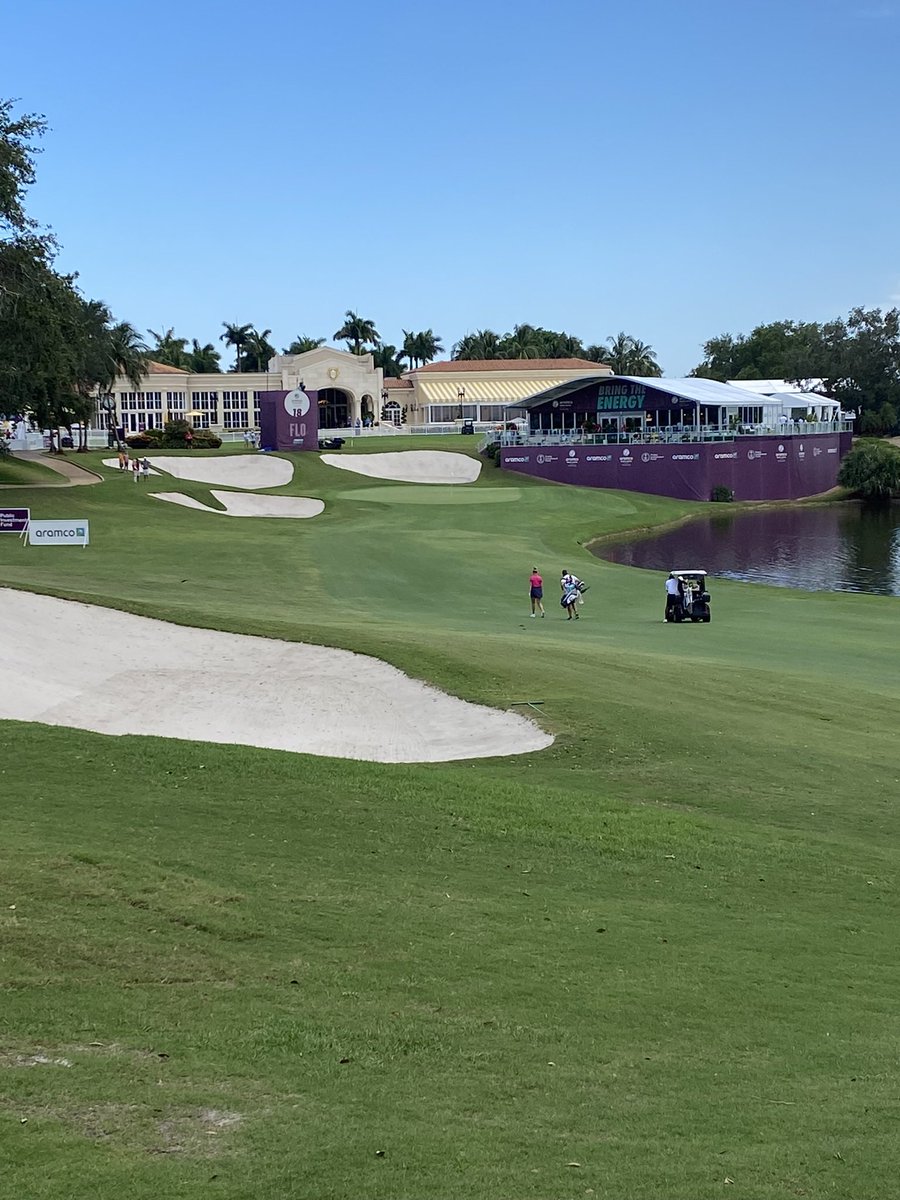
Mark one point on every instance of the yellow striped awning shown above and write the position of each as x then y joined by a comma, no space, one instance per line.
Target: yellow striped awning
482,391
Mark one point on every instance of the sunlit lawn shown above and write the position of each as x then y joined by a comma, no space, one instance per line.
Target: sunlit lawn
652,959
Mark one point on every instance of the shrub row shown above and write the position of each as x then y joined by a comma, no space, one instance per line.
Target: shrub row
173,436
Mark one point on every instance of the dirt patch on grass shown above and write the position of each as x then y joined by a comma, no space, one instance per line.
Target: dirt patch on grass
195,1132
36,1058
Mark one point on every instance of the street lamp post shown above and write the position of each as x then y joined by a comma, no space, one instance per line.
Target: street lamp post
108,404
384,400
461,397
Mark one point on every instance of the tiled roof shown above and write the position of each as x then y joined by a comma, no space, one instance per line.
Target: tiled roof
506,364
391,383
155,368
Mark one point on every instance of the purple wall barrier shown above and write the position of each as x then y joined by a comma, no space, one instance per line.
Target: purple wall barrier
289,420
755,468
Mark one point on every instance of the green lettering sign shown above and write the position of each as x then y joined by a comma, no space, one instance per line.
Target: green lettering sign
618,402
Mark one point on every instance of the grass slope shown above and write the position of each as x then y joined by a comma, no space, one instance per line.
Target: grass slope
662,949
18,472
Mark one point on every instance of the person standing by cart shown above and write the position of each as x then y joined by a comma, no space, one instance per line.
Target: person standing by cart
674,598
536,584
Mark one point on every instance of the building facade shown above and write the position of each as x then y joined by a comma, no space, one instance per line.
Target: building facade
350,388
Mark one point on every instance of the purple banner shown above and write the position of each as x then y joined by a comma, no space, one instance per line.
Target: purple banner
14,520
289,420
754,468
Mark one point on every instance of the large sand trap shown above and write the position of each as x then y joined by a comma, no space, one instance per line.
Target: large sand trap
112,672
248,504
233,470
410,466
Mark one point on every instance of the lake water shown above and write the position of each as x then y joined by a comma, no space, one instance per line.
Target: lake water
827,548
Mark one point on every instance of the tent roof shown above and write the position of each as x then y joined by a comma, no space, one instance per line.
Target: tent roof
802,399
701,391
772,387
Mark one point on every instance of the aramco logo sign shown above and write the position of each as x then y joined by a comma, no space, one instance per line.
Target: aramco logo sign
58,533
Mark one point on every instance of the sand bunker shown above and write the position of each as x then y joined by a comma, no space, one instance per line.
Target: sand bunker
173,681
248,504
231,470
410,466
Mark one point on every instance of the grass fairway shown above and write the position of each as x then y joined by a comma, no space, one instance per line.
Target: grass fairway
18,472
655,959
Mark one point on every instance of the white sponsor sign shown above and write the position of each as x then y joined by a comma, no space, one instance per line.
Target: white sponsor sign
58,533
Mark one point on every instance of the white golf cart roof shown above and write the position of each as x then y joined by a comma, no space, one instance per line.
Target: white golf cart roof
676,571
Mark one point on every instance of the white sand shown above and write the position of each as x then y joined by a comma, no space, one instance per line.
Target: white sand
231,470
112,672
248,504
410,466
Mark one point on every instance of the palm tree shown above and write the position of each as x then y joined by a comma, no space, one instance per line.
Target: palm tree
235,335
128,354
565,345
524,342
389,359
169,349
410,348
483,343
203,360
115,351
629,356
357,331
428,346
302,345
258,350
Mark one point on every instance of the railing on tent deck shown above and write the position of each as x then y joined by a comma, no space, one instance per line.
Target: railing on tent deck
656,437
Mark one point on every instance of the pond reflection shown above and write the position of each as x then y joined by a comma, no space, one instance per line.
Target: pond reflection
826,548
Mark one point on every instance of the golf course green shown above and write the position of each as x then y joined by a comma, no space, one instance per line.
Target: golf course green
656,961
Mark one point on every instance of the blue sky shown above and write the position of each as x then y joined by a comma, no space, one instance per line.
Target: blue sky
673,170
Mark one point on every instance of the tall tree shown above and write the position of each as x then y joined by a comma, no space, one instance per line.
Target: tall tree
481,344
169,349
525,341
857,359
428,345
258,350
56,348
39,309
389,359
18,146
410,349
303,344
862,356
778,350
102,351
203,360
358,332
629,356
235,335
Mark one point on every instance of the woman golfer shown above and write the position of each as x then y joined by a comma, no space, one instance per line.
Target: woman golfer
537,592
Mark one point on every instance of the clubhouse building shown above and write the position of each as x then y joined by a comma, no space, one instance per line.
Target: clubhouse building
575,422
350,388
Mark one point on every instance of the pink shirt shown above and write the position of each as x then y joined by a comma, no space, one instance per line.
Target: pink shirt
536,581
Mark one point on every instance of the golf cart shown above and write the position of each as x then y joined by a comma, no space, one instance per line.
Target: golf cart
695,605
